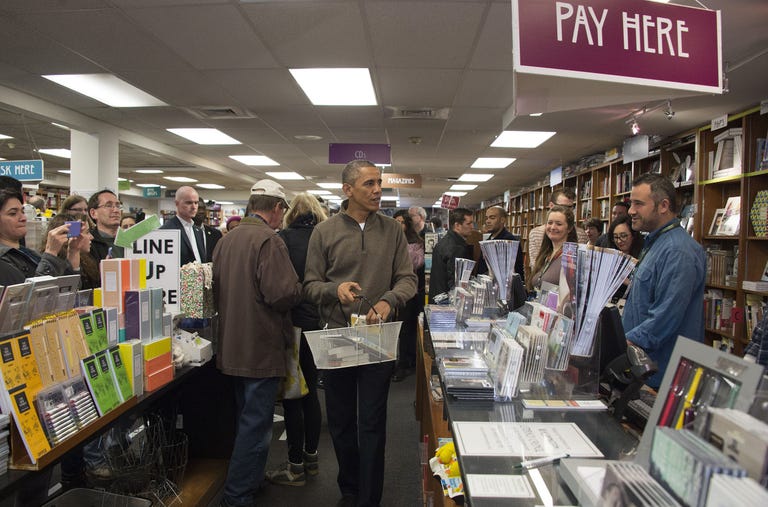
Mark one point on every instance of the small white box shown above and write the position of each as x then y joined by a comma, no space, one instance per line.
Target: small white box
196,350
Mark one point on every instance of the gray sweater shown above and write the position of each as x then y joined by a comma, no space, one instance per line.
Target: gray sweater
375,257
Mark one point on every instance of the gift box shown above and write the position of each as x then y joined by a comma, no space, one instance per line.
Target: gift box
197,290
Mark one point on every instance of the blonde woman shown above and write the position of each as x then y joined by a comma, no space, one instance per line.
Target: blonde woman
559,228
302,416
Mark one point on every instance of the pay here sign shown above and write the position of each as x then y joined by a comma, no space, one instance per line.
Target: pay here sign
625,41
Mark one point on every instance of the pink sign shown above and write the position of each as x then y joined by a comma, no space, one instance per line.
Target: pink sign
450,201
626,41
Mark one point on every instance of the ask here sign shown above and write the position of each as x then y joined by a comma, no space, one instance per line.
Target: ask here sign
625,41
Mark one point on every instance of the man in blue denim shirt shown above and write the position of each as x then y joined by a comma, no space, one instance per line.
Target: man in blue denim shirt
666,296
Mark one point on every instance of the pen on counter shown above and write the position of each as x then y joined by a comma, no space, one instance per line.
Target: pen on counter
539,462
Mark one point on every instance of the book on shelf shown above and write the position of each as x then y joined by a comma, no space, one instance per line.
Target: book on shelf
729,225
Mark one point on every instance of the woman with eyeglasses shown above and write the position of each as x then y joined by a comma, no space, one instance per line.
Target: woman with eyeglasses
90,278
74,204
621,237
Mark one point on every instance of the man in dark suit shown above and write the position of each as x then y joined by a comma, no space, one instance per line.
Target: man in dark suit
496,226
212,234
192,237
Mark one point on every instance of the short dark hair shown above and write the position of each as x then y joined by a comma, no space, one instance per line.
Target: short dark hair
567,192
457,216
594,222
261,202
661,188
10,183
623,204
93,201
352,170
6,194
436,222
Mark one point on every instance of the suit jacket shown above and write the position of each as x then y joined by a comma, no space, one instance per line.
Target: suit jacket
187,254
212,236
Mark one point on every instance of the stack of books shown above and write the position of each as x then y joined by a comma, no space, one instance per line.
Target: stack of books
465,375
5,450
755,285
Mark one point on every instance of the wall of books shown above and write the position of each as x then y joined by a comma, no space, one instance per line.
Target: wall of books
722,183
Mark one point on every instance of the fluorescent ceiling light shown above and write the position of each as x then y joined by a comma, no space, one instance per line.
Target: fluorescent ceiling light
457,194
475,177
60,125
535,115
224,202
3,136
56,152
319,192
253,159
333,198
331,186
521,139
65,171
204,136
107,89
149,171
180,179
149,185
1,158
463,187
390,198
287,175
492,163
122,179
211,186
336,87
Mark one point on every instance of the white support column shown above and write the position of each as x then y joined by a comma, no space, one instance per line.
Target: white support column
95,162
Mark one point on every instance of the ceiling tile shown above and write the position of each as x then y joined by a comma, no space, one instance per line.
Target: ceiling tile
486,88
259,88
418,87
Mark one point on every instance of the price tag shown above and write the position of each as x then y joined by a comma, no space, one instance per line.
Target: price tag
719,122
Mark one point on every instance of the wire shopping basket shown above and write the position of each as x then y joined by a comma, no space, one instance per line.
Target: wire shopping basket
354,346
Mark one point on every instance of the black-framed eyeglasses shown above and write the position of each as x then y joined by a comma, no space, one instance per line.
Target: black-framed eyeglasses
621,237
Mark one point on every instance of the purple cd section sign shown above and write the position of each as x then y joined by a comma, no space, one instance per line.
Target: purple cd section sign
341,153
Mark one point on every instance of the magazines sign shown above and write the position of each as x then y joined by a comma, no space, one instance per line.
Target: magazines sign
391,180
625,41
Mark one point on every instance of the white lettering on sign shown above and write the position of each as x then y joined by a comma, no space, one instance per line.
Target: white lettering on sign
565,12
641,33
401,181
654,35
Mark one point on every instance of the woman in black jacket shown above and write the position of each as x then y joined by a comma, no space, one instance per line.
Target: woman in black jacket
302,416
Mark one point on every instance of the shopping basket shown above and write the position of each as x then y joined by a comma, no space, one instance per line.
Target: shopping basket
354,346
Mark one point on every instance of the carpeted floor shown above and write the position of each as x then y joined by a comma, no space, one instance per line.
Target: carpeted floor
402,484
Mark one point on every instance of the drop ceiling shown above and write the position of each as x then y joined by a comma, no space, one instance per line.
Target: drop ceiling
193,54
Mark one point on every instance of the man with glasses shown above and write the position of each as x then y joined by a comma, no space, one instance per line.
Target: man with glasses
562,197
192,237
106,210
450,247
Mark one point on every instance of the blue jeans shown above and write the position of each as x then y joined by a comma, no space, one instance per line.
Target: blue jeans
255,398
356,407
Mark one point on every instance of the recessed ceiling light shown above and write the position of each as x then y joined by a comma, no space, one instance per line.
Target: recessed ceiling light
180,179
204,136
319,192
211,186
3,136
457,194
521,139
475,177
287,175
331,186
303,137
65,171
56,152
492,162
107,89
253,159
463,187
336,87
64,127
148,185
149,171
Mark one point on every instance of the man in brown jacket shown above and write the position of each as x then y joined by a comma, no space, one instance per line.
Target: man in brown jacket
255,287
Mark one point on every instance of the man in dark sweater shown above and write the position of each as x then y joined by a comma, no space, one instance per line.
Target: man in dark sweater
496,226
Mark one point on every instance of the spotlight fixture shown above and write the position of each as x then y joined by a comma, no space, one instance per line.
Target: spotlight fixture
635,127
669,113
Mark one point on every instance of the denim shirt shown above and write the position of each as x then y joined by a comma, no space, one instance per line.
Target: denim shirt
666,298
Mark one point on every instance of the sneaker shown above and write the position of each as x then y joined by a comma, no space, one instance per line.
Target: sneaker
311,465
289,474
